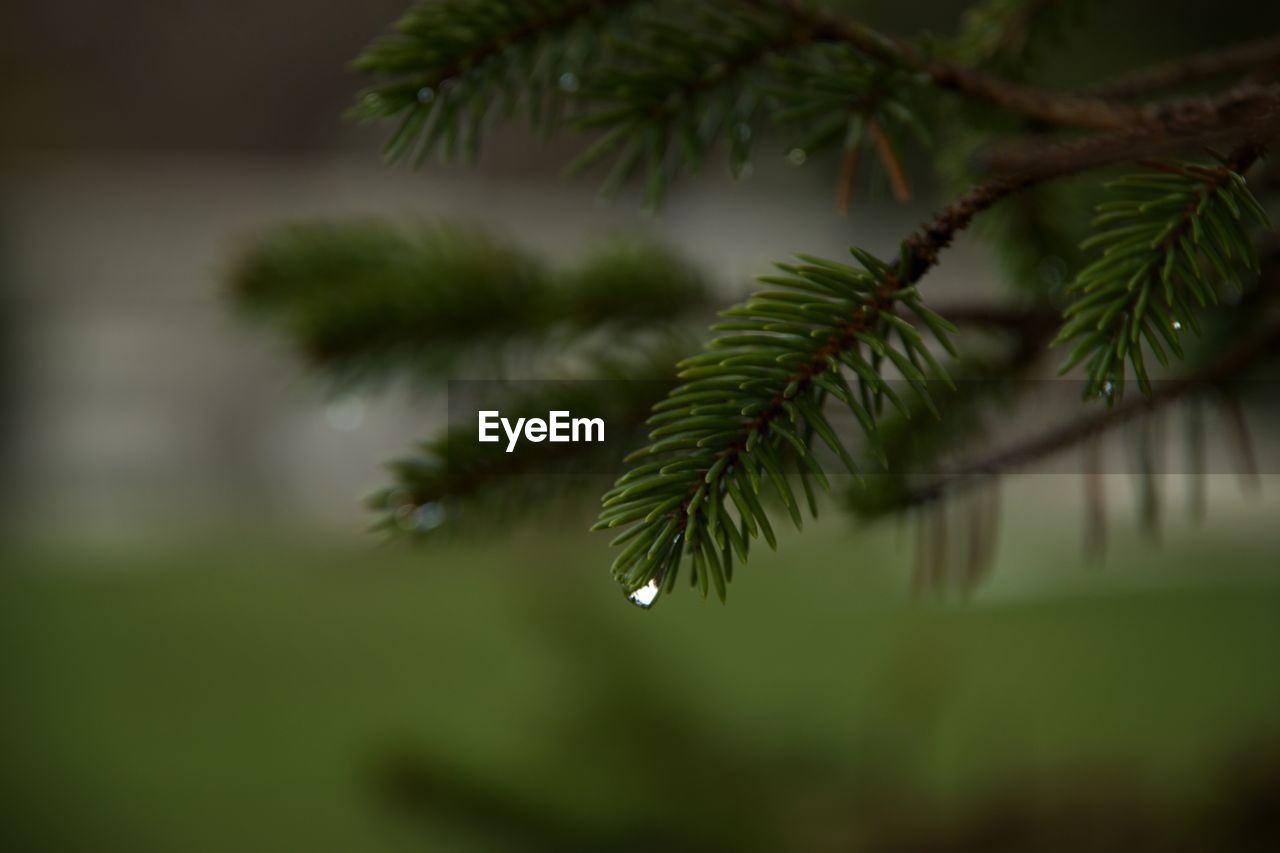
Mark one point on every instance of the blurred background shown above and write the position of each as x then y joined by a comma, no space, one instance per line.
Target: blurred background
201,647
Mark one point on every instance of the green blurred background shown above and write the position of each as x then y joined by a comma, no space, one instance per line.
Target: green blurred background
254,695
201,650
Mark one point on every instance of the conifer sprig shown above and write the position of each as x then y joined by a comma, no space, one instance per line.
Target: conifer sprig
752,402
688,77
829,95
1180,231
452,66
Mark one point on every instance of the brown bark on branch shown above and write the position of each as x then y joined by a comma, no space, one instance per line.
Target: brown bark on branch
1247,113
1247,56
1053,106
1069,435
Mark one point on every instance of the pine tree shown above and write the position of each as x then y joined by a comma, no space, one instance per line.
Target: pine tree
1170,279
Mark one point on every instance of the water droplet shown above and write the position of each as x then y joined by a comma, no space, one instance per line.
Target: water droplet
1177,326
796,156
645,595
372,101
569,82
426,95
345,414
1108,388
743,130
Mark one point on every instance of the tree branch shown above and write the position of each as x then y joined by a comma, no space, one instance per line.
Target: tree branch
1246,56
1068,435
921,248
1048,105
1249,112
1095,109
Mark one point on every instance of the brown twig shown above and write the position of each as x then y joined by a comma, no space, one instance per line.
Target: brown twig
1068,435
923,246
1251,110
1048,105
1246,56
1248,112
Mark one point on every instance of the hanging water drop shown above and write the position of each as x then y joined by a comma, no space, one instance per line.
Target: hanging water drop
1177,326
645,595
1108,389
569,82
426,95
796,156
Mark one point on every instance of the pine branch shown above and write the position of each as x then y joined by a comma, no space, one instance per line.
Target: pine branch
829,95
1261,53
1149,279
453,64
753,400
749,400
688,77
677,81
1055,107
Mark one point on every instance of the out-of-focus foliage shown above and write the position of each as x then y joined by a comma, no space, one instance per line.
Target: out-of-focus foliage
1012,36
331,697
661,83
454,67
363,299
